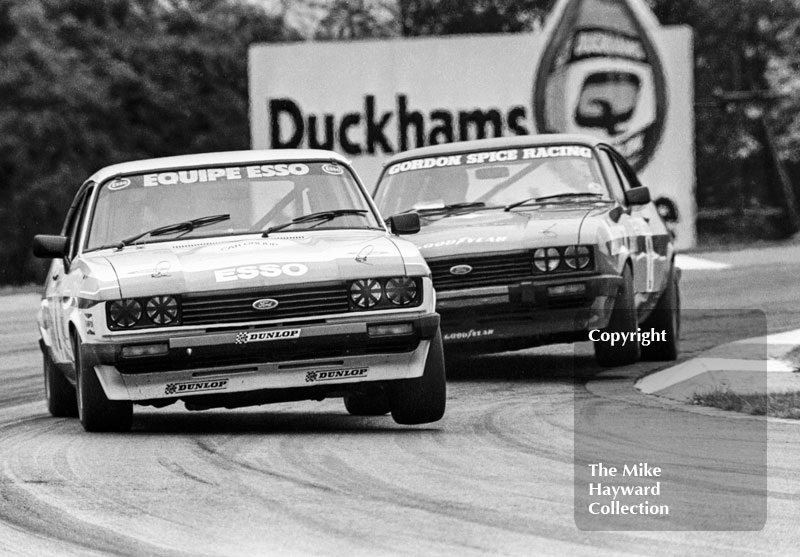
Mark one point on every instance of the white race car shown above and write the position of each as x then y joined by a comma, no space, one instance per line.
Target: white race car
235,279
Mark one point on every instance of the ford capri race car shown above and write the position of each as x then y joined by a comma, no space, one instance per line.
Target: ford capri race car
235,279
540,239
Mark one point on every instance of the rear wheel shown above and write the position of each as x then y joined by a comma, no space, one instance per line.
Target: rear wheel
96,412
60,394
666,318
423,399
366,405
623,320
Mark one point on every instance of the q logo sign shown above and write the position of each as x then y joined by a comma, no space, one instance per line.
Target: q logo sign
600,74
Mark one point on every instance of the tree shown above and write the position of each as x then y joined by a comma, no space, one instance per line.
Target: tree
87,83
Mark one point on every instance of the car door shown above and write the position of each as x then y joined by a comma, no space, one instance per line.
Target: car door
635,229
655,234
65,278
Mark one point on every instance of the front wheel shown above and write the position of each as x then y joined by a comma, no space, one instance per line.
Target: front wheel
60,394
96,412
423,399
666,319
623,320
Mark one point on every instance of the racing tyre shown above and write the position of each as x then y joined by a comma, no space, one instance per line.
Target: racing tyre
666,316
623,320
60,394
422,400
363,405
96,412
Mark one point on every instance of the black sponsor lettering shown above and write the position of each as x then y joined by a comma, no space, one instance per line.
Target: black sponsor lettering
339,373
290,128
407,119
290,109
313,139
375,129
514,116
478,120
348,122
442,133
201,386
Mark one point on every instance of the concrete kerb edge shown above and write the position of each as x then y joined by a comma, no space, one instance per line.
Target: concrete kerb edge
754,365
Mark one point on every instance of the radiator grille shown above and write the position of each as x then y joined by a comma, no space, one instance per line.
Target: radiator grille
236,307
487,270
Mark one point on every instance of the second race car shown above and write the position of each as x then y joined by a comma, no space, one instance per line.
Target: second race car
537,240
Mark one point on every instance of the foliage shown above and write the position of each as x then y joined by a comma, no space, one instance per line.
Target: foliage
740,45
87,83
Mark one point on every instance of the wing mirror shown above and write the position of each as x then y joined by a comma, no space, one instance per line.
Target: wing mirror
49,247
637,196
404,223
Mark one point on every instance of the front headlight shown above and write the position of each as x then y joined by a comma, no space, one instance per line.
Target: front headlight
366,293
162,310
125,313
385,293
401,291
577,257
546,259
141,313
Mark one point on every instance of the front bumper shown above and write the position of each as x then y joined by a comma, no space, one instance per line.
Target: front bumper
320,357
540,311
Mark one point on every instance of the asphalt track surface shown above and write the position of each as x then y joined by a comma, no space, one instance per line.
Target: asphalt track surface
494,476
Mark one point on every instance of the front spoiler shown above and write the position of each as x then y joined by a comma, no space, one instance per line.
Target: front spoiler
258,377
336,354
527,311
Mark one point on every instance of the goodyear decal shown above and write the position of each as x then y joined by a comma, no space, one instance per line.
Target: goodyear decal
465,240
472,333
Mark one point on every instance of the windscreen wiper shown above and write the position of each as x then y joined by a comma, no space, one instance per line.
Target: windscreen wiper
547,197
183,226
448,208
322,216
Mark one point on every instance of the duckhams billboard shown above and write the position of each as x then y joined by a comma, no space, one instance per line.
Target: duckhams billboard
599,67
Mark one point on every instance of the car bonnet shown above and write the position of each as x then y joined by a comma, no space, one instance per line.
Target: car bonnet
494,230
209,264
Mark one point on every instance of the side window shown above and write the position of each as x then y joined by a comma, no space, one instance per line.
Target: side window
628,176
75,220
611,172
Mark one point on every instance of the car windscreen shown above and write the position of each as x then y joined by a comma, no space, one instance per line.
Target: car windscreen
495,178
256,197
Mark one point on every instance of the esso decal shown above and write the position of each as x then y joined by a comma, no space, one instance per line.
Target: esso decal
334,169
118,184
272,170
267,270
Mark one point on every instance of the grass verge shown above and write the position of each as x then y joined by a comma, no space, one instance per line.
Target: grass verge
777,405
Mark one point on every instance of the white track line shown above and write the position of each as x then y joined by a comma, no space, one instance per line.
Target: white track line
691,263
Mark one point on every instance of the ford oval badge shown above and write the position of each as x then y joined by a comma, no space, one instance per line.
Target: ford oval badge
460,270
265,304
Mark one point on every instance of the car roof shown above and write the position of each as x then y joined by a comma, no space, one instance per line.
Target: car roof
496,143
223,158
